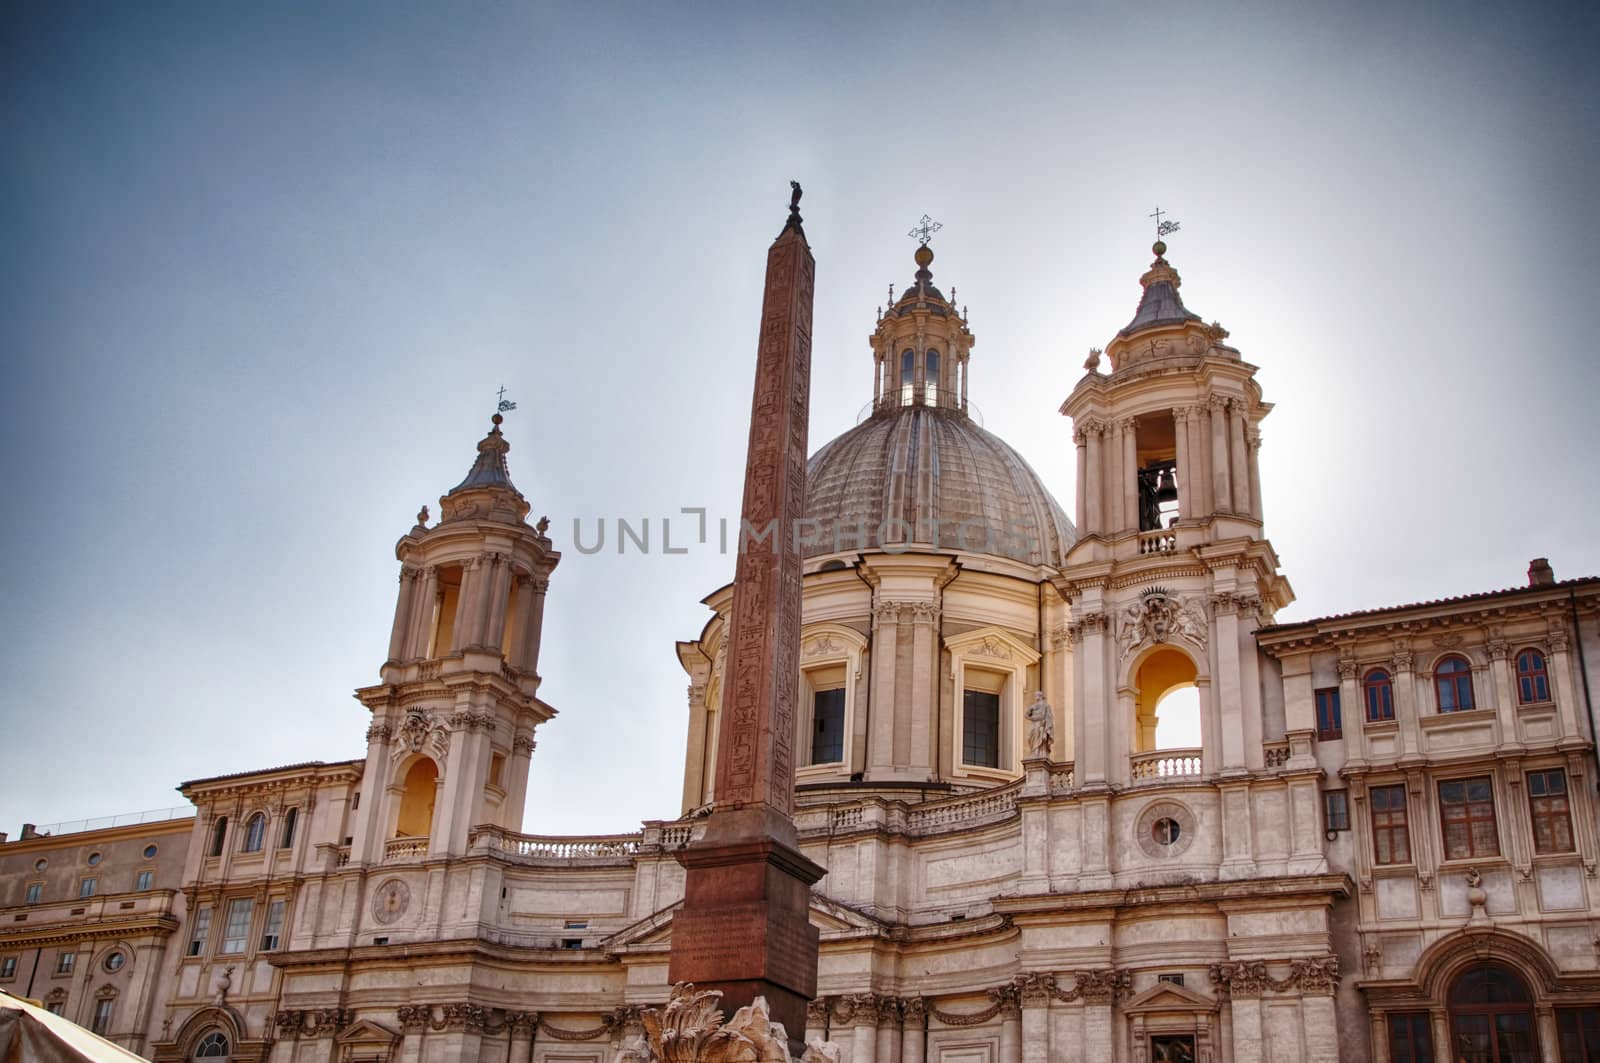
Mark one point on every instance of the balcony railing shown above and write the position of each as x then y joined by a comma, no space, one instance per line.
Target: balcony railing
1158,542
404,849
1166,764
78,826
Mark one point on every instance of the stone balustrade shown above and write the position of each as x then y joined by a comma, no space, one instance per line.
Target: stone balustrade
558,847
1158,542
404,849
1275,754
957,812
1163,764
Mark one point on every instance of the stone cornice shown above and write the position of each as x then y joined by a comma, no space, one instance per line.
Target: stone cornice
1251,892
36,936
1493,606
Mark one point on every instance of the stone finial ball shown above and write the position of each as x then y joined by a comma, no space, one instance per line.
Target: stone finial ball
924,256
497,420
1159,247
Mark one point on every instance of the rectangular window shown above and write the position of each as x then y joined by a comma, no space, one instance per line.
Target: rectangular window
1410,1038
102,1016
55,1007
1170,979
274,928
980,729
34,891
1330,721
827,728
64,962
86,887
1391,840
1172,1048
236,928
142,882
1552,816
8,967
202,927
1466,807
1336,810
1578,1032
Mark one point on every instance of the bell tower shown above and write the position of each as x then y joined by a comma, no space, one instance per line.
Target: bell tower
1171,573
453,719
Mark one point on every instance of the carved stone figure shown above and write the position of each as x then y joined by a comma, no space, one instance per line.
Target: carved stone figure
689,1029
1041,726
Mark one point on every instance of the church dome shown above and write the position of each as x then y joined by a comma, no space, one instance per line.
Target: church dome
929,476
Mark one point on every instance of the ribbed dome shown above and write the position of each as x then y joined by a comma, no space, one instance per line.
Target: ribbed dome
915,464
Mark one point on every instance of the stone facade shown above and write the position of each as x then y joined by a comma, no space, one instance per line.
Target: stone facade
1383,844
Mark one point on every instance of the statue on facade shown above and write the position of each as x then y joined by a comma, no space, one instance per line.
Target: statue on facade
1041,726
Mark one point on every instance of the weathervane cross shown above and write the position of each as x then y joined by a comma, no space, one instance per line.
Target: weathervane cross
1163,227
504,404
923,231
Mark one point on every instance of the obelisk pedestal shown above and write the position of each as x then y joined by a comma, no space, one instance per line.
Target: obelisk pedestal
744,927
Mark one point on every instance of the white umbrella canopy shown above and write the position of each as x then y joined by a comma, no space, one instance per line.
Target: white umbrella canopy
30,1034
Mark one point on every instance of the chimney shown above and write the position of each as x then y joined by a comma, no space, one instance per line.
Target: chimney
2,837
1540,574
29,830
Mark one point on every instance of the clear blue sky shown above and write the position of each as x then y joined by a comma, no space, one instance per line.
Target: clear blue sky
266,264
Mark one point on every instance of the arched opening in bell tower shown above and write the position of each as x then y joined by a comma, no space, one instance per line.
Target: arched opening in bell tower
417,792
1168,702
1156,469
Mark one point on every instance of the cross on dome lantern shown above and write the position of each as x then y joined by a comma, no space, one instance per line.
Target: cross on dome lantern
923,231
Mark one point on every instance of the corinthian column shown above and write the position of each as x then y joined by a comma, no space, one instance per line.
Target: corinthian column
1097,478
1081,438
1130,475
1221,492
1186,477
402,612
1239,473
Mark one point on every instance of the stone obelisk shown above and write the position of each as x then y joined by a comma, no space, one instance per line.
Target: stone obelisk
744,927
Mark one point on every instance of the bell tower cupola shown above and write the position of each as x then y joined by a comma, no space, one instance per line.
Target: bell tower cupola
1167,440
453,719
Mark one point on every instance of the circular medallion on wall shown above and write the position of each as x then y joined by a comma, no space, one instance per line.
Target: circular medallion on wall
390,901
1165,829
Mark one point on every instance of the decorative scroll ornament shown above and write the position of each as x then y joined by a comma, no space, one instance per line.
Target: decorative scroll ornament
1159,616
689,1029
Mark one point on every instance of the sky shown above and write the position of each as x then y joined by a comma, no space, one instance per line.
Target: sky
266,265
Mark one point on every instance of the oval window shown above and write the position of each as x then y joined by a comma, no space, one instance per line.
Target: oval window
115,961
94,858
149,852
1165,831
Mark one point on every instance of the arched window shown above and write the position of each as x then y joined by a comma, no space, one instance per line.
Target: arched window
255,833
1491,1017
213,1045
289,820
1379,691
1452,680
930,388
908,374
1533,684
219,836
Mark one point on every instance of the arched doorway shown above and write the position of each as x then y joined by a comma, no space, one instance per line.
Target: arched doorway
1491,1017
416,800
